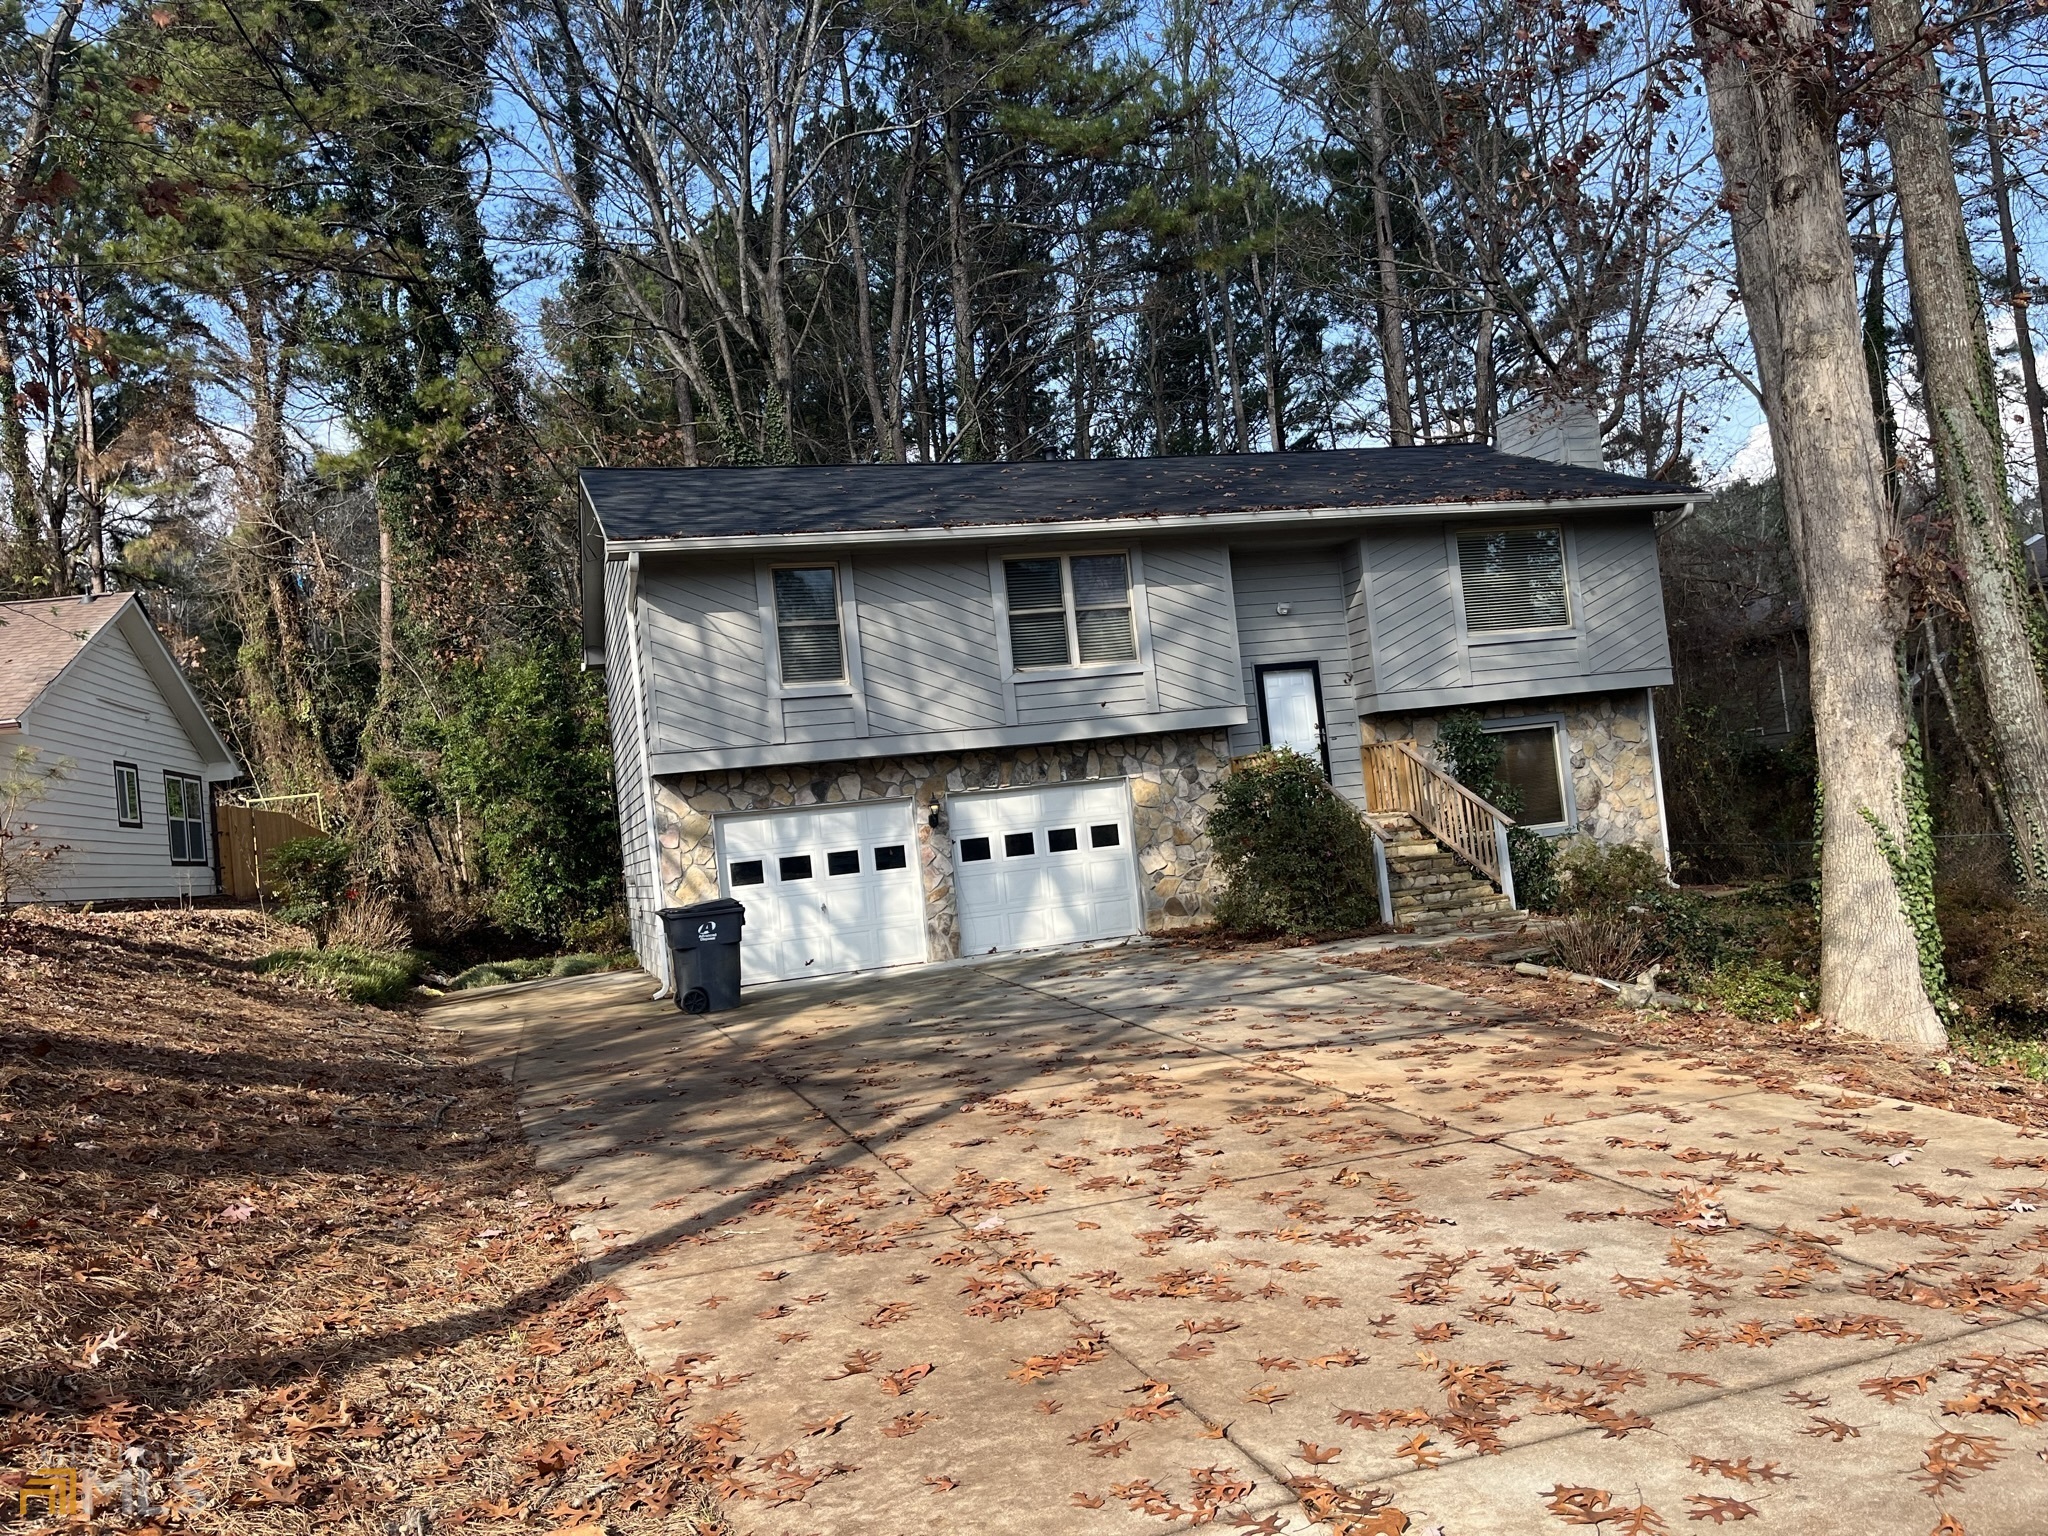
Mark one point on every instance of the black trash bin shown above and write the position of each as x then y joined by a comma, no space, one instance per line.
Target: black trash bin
704,944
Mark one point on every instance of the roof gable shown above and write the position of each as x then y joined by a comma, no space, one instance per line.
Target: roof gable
647,505
39,639
43,639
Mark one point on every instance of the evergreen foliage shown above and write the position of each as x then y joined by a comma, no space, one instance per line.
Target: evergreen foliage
1295,857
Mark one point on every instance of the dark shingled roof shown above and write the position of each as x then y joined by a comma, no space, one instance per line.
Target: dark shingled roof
641,504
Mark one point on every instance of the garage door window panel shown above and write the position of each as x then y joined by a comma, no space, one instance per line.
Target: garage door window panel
843,862
795,867
890,857
747,872
1061,840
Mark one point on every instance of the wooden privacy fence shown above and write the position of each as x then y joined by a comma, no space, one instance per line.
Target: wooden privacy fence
245,833
1399,779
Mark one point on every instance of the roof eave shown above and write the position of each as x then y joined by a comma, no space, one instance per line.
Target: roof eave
1267,521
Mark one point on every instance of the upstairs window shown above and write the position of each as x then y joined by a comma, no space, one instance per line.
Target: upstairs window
1514,579
807,624
1065,608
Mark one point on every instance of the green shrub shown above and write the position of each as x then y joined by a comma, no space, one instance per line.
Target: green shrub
1760,990
360,975
1606,877
1533,857
312,873
1295,857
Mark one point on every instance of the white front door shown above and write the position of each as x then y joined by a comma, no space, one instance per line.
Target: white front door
826,890
1293,709
1052,865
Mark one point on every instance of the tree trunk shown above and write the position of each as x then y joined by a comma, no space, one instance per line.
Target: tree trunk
1275,420
1775,137
2015,282
1482,373
387,633
1962,420
1393,344
966,410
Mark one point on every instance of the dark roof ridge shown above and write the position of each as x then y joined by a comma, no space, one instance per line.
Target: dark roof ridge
727,502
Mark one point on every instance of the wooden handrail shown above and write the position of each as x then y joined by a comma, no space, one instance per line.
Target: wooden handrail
1399,779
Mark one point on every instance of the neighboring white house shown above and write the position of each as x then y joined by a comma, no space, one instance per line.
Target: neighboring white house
89,684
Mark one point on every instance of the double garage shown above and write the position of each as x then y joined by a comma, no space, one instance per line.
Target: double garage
838,888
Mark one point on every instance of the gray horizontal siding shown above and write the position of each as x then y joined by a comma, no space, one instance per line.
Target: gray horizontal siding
707,666
1316,627
928,643
1194,625
818,718
1528,658
1043,701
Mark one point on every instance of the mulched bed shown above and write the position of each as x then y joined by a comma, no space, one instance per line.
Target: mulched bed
269,1262
1775,1056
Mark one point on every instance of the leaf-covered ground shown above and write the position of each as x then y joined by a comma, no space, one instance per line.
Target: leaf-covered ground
273,1263
1276,1240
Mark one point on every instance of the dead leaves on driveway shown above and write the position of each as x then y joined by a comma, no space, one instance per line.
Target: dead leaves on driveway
1253,1221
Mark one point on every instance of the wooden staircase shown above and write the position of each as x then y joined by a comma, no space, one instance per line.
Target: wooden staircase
1442,851
1430,888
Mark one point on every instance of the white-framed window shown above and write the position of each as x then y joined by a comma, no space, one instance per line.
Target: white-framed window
809,643
1069,610
185,810
128,794
1513,578
1532,763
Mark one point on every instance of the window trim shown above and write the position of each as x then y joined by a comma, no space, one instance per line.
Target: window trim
1134,584
1314,669
1562,741
1569,563
824,687
190,783
133,773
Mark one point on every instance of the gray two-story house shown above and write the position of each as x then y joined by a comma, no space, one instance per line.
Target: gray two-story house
908,712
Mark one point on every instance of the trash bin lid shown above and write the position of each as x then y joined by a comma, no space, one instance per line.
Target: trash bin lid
721,907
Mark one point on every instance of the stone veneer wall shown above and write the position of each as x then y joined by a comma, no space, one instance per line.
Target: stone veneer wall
1173,788
1614,772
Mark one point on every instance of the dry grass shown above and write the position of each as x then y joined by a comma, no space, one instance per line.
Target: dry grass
294,1257
1777,1056
374,923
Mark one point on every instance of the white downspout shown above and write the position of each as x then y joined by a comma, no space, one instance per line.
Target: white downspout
1657,779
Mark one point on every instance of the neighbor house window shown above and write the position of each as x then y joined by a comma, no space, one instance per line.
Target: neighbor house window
807,624
1532,765
1069,607
128,794
185,810
1513,578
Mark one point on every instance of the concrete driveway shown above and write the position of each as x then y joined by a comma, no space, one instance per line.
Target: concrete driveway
1144,1237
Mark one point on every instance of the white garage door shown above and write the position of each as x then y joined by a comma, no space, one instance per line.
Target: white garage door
1044,866
827,890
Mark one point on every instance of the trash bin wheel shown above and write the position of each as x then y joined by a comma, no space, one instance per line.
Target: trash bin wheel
696,1000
